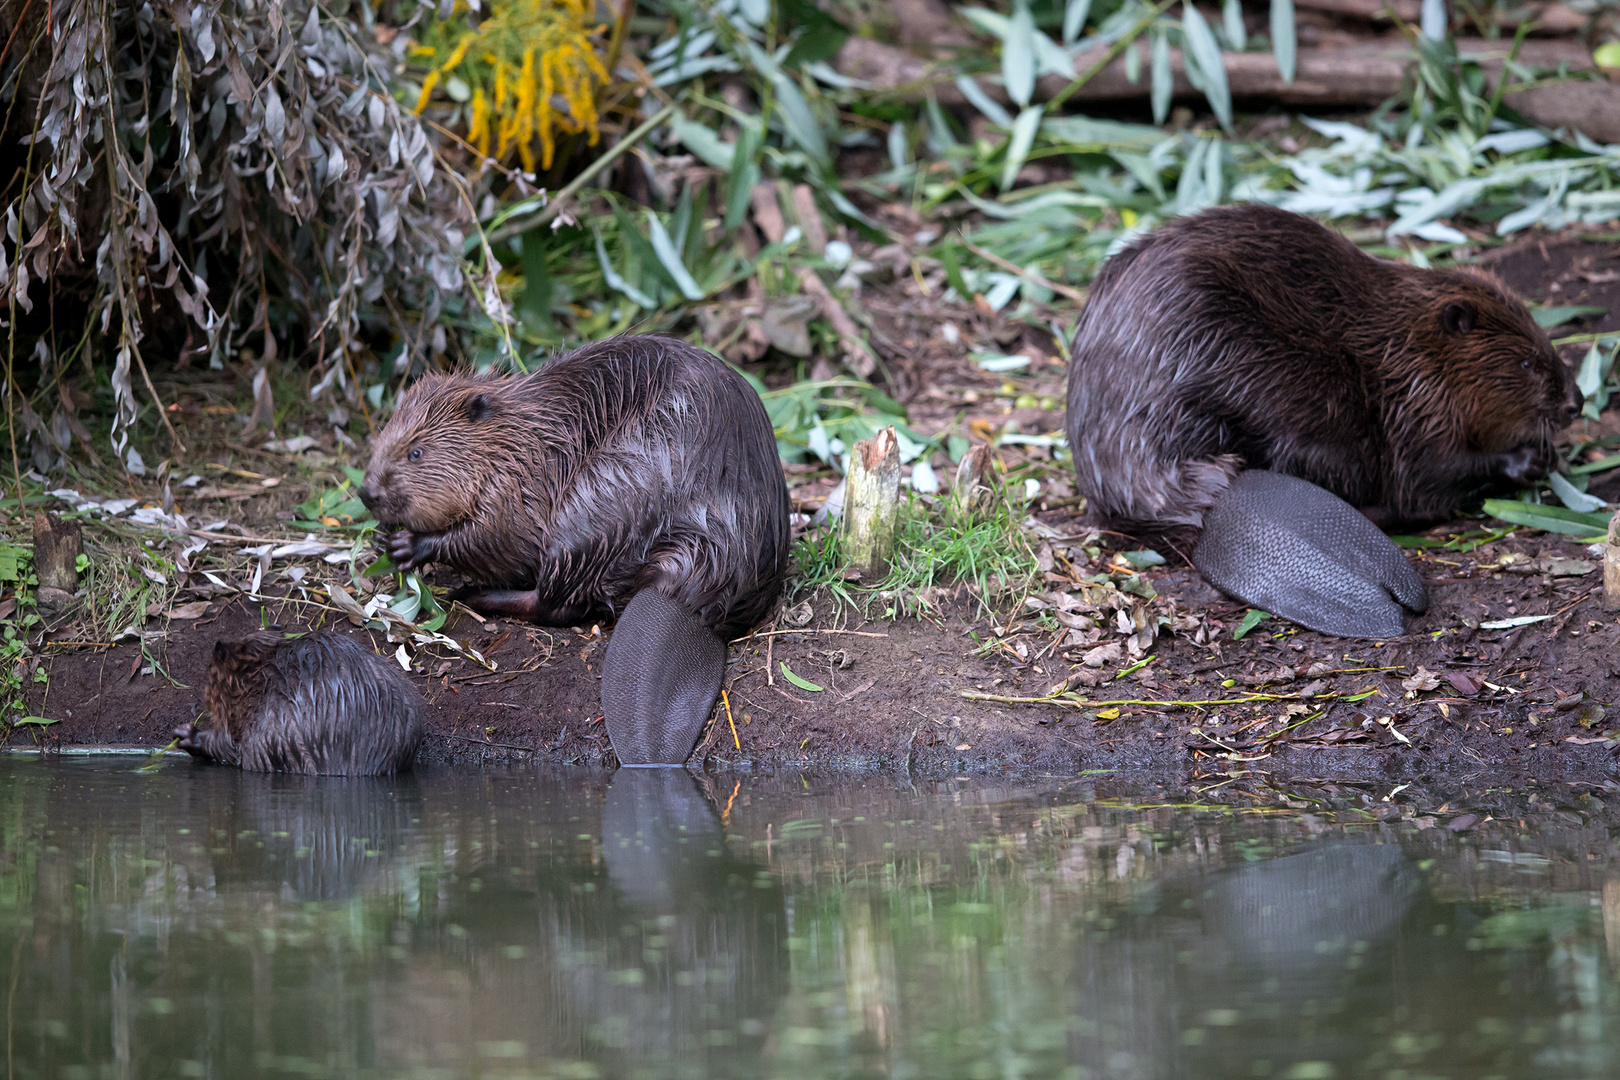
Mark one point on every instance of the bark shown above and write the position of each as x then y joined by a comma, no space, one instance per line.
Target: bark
872,503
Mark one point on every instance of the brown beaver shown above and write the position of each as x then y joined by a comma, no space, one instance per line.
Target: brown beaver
1251,338
637,477
320,703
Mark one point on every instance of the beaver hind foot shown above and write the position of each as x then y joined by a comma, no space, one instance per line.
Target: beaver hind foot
1298,551
660,677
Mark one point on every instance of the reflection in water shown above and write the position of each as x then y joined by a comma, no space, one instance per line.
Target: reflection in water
207,922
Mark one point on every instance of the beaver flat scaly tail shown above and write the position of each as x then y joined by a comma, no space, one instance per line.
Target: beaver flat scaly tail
660,677
1298,551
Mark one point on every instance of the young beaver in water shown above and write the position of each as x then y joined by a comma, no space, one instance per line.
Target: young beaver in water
320,704
636,477
1251,338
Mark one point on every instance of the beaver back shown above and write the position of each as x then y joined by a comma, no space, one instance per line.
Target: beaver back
1250,337
321,703
634,462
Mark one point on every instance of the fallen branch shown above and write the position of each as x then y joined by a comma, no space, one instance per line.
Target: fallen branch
1073,701
1361,75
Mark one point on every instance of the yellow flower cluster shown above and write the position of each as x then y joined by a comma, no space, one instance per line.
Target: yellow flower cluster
531,68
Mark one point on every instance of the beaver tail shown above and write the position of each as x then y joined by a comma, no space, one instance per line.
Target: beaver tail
1299,551
660,677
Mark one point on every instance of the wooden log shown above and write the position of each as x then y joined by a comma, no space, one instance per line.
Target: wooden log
1611,567
1358,76
872,504
1549,18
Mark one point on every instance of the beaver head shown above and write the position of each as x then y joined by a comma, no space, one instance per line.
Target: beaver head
1489,380
235,680
430,463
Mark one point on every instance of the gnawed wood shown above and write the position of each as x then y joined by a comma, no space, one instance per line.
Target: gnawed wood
872,503
1611,567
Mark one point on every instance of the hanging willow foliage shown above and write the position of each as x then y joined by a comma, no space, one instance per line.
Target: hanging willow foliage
241,161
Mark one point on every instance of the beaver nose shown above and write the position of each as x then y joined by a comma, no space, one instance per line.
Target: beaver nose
1572,407
369,496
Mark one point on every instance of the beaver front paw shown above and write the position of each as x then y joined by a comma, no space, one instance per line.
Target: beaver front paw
186,739
408,550
1526,463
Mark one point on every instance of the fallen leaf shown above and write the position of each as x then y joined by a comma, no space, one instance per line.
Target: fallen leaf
1461,822
194,610
965,746
1424,679
1466,685
801,683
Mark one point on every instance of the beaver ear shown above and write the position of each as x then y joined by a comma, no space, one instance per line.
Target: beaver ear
478,407
1458,317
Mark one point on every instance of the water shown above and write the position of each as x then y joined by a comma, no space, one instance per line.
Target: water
199,922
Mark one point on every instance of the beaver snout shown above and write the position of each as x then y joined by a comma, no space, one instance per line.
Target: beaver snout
370,496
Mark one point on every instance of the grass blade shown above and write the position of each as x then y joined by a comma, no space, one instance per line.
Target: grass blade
1434,20
744,175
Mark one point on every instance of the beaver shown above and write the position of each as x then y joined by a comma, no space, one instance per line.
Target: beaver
320,703
1227,352
637,477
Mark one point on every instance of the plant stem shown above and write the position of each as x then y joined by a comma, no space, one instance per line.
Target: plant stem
555,205
1113,52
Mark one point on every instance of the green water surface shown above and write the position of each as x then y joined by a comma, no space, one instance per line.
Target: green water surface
201,922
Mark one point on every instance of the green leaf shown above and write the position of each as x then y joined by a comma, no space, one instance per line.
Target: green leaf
949,258
1163,79
1549,317
802,684
618,283
702,141
1232,24
744,175
1556,519
1253,619
1573,497
798,119
1284,41
1075,13
1019,143
37,721
1018,54
1203,49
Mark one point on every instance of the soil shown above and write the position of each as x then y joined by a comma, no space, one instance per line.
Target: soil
1453,697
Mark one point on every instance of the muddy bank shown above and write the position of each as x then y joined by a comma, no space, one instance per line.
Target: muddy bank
1455,696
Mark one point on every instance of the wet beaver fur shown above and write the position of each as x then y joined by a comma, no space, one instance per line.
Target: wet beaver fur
1250,340
637,477
320,703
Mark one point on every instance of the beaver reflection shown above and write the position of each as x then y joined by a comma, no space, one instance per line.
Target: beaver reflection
1281,957
706,930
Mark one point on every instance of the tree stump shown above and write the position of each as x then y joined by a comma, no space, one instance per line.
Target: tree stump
57,547
1611,567
872,503
972,493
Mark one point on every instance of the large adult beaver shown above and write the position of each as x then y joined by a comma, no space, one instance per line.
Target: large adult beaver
320,703
1251,375
637,477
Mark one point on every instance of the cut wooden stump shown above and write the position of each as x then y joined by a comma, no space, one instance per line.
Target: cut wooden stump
57,547
1611,567
972,491
872,503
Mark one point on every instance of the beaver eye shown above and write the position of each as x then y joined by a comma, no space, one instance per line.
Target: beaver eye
416,455
1527,365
